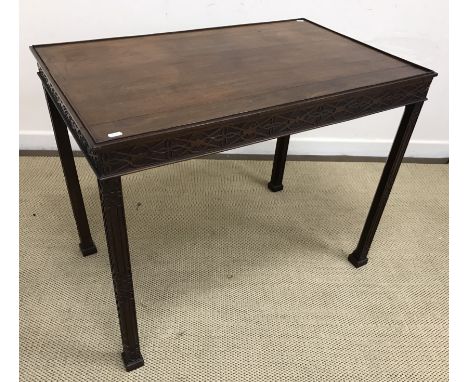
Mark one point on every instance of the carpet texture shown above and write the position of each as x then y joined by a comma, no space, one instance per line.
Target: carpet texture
235,283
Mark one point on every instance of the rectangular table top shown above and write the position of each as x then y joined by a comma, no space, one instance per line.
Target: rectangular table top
125,87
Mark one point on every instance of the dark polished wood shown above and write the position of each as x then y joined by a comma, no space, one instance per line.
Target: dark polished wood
130,84
359,257
134,103
279,162
176,96
62,139
113,213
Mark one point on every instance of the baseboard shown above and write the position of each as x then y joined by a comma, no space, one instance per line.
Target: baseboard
299,146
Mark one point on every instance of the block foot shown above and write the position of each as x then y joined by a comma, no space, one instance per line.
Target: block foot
133,361
275,187
356,261
88,249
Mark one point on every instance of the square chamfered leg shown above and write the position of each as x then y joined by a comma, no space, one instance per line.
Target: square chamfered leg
113,213
359,257
279,162
62,139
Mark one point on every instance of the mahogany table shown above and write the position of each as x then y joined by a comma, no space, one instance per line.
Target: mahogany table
139,102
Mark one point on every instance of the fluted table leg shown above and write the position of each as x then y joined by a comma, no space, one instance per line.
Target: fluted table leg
359,257
117,245
279,162
71,178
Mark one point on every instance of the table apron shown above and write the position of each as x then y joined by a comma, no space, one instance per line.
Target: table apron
143,152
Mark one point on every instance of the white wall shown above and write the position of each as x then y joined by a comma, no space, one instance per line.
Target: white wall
416,30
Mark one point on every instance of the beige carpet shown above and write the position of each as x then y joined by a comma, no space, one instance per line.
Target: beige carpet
235,283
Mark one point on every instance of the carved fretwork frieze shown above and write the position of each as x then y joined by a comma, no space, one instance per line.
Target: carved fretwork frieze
123,157
69,120
225,135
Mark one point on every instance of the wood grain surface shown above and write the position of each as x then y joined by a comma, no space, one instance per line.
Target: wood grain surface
142,84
